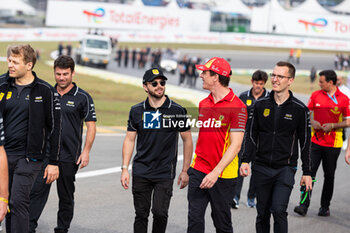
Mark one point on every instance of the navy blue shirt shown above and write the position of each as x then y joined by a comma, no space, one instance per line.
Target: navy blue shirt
77,106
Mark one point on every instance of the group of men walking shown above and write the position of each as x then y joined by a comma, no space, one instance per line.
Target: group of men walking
278,127
41,133
41,141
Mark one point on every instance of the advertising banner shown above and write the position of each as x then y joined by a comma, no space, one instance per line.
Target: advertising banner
128,17
241,39
295,23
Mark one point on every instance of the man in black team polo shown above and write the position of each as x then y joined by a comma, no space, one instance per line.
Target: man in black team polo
249,98
77,106
31,111
153,122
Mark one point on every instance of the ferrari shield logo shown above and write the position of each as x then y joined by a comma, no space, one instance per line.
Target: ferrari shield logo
249,102
266,112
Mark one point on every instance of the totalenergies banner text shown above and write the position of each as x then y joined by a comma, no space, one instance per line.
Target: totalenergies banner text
331,26
119,16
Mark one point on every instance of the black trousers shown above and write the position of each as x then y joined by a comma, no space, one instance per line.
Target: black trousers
151,192
329,157
65,191
273,188
22,174
220,198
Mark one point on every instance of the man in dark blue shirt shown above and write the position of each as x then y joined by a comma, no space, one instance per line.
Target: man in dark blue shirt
249,98
76,107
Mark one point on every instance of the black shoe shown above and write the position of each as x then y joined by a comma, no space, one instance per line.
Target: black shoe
324,211
235,203
301,210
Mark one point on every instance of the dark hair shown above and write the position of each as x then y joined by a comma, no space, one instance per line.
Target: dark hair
223,80
291,68
259,75
64,62
330,75
26,51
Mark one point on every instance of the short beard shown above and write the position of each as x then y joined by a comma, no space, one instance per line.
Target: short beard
155,95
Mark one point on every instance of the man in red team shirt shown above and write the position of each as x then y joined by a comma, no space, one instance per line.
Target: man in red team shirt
215,164
330,114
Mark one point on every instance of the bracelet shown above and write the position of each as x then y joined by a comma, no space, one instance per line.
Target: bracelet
4,200
125,167
7,202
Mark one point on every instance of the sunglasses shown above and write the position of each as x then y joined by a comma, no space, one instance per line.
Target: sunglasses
155,83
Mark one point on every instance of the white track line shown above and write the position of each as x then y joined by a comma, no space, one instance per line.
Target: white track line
106,171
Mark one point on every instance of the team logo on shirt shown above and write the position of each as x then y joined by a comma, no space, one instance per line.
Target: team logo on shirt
288,117
38,99
151,120
266,112
70,103
9,95
249,102
335,110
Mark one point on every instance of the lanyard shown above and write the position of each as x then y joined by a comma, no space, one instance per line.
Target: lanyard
333,98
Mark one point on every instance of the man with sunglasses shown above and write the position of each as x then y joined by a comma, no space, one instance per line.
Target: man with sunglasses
156,122
215,164
278,122
330,113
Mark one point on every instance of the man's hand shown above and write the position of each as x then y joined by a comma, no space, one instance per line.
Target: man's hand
316,125
347,157
51,173
124,178
327,127
244,170
307,181
209,180
83,160
3,210
183,180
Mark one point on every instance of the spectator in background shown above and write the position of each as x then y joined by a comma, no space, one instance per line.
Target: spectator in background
119,56
69,49
126,57
291,55
182,66
298,55
60,49
336,62
133,57
312,74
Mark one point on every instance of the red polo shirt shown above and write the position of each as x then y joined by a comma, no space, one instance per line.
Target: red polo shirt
213,142
327,110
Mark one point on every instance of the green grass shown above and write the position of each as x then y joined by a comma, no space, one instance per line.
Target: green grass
112,100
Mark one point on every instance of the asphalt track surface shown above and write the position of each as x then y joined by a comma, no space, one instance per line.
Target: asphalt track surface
103,206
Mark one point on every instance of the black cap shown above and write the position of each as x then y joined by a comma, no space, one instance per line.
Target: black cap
152,74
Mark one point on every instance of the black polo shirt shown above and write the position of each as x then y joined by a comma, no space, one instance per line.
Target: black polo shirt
157,138
16,118
77,106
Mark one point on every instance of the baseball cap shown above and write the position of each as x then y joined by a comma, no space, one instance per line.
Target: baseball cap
218,65
152,74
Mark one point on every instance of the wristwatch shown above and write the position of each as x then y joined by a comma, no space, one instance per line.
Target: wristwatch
124,167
